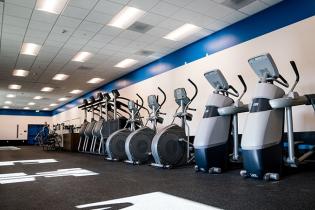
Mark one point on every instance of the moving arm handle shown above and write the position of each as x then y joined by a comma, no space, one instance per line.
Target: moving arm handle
164,95
244,85
297,75
283,82
196,89
236,94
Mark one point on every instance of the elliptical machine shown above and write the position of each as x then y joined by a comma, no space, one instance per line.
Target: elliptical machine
138,143
170,146
115,144
262,144
213,136
83,126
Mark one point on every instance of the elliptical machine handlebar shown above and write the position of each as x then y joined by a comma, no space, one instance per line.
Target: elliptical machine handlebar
297,75
196,90
283,82
164,95
244,85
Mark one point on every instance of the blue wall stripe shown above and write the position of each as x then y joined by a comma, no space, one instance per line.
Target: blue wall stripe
25,112
273,18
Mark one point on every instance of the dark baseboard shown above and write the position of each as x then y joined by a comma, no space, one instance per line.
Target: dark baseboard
13,142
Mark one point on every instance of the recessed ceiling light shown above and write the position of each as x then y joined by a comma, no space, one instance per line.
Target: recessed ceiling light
45,109
38,97
76,91
126,17
182,32
6,107
11,96
8,102
47,89
31,103
26,107
20,73
63,99
30,49
51,6
53,104
95,80
82,56
37,111
126,63
15,87
60,77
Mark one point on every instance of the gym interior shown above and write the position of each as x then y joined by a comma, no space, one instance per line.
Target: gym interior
157,104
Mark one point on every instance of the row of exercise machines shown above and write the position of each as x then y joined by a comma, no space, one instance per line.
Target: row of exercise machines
263,150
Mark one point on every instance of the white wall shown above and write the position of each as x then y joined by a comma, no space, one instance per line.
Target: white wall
295,42
8,125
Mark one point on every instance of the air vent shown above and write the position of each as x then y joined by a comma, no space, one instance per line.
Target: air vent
144,53
140,27
237,4
85,68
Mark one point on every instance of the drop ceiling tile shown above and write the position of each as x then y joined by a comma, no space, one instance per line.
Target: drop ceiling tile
165,9
44,16
253,7
15,21
95,44
82,34
90,26
158,31
62,30
147,38
171,24
112,31
99,17
84,4
103,38
58,37
25,61
152,19
120,42
216,25
35,39
186,15
271,2
131,35
108,7
75,12
120,1
180,3
143,5
68,22
10,36
17,11
23,3
234,17
14,30
41,26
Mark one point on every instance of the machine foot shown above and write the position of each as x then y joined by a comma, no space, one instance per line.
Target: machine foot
271,176
244,173
214,170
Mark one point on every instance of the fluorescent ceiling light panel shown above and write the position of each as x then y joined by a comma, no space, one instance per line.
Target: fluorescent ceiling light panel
37,111
45,109
126,63
182,32
126,17
53,104
82,57
8,102
30,49
15,87
6,107
47,89
51,6
95,80
63,99
38,97
20,73
11,96
26,107
31,103
76,91
60,77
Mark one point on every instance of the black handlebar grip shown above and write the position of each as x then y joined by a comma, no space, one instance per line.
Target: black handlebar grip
191,109
115,93
164,95
234,90
243,82
196,89
284,80
296,71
